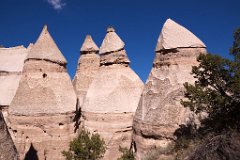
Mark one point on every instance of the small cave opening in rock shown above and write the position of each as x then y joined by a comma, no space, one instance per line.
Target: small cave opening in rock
27,138
31,154
61,125
14,132
44,75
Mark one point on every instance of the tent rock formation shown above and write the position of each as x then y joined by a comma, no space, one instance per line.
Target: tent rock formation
88,66
42,111
112,97
159,112
42,102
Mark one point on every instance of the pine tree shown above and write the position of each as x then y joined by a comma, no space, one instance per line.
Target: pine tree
217,93
217,89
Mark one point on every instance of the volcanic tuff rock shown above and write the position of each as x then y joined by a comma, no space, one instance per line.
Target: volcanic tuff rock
112,97
112,49
11,66
159,112
7,148
88,66
41,113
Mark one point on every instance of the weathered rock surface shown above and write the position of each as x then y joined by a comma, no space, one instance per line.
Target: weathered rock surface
42,110
7,148
11,66
112,97
112,49
88,66
159,112
174,35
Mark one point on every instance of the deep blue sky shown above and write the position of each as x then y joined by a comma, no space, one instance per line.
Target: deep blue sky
137,22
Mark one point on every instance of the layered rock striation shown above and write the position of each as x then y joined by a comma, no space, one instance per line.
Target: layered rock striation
159,112
113,96
42,111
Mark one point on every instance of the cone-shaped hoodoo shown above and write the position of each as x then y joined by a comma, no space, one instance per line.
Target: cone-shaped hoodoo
113,96
112,49
89,45
46,49
88,66
159,112
173,35
42,110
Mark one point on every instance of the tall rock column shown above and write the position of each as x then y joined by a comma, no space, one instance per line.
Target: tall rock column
159,112
88,66
42,111
113,96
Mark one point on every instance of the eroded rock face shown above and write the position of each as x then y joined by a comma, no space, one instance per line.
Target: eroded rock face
7,148
11,66
88,66
159,112
42,111
112,97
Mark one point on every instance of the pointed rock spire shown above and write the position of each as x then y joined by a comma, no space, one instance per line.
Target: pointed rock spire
46,49
45,97
89,45
112,96
112,49
159,111
112,42
88,66
173,35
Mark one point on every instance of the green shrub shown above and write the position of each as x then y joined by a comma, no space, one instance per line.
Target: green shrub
215,93
127,154
85,147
